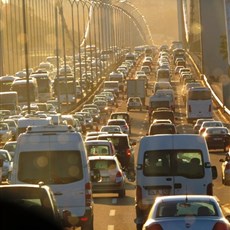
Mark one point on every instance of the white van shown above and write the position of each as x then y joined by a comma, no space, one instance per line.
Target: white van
56,155
171,164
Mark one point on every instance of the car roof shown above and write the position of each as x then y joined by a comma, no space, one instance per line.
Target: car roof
102,157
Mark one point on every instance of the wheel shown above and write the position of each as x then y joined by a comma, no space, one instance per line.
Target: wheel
121,193
139,226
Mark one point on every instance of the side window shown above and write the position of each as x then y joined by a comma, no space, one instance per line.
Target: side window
189,164
157,163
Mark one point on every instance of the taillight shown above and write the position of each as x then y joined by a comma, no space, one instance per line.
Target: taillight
88,194
118,177
220,226
210,189
138,196
202,130
128,152
227,166
153,226
210,108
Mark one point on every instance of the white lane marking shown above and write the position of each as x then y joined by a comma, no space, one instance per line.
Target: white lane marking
110,227
114,201
112,212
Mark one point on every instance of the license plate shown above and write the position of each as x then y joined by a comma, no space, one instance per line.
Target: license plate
217,139
161,192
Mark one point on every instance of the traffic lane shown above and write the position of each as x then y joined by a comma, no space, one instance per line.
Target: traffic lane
111,212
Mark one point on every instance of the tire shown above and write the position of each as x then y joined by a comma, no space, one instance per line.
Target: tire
139,226
121,193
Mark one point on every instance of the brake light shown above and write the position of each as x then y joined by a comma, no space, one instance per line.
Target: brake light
210,108
118,177
153,226
202,130
88,194
210,189
220,226
227,166
138,196
128,152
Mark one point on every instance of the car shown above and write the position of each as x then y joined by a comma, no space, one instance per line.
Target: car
207,124
111,129
121,122
217,138
134,103
124,151
36,203
124,115
198,124
162,128
13,127
5,133
99,147
162,114
10,146
186,212
107,175
7,164
225,169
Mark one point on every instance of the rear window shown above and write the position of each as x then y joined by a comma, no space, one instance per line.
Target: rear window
51,167
183,163
161,129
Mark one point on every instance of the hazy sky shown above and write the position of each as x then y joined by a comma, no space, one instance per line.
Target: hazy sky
161,16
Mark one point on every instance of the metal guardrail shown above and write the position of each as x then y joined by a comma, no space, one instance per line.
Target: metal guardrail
217,99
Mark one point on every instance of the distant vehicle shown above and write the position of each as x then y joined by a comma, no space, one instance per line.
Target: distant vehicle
99,148
7,164
198,124
121,122
186,211
122,115
44,86
26,91
10,146
162,128
217,138
111,129
134,103
209,123
9,101
199,103
5,133
6,82
162,114
107,174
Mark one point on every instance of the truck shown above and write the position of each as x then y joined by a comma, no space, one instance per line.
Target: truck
9,101
136,88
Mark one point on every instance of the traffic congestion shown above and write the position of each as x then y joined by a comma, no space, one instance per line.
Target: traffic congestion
106,146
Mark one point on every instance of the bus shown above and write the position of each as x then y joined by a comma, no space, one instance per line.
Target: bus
198,104
9,101
6,82
22,88
44,83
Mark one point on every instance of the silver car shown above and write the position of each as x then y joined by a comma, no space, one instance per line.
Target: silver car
186,212
7,164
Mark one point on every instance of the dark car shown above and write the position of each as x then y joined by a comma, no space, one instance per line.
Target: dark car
217,138
124,151
34,207
162,128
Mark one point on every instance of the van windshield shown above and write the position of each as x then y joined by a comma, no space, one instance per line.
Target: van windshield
185,163
51,167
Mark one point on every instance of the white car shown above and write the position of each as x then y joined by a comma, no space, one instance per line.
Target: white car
121,122
107,175
186,212
134,103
